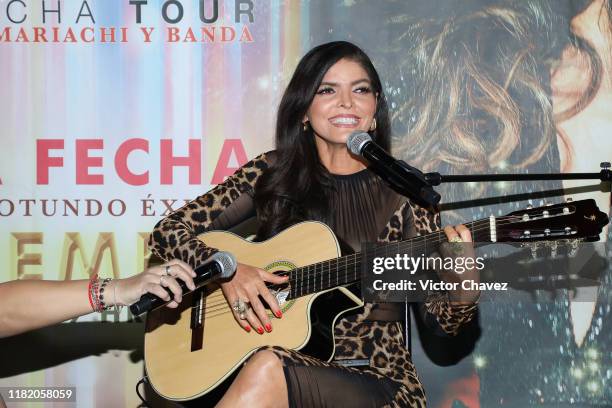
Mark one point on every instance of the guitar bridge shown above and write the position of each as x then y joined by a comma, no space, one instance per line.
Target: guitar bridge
197,319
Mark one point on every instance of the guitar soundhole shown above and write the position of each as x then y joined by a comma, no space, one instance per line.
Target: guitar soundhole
281,292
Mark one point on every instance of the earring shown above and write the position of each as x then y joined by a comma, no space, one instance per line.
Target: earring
306,126
373,125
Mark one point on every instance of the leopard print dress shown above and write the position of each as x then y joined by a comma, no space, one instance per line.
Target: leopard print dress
390,379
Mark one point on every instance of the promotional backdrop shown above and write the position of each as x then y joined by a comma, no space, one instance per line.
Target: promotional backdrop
115,113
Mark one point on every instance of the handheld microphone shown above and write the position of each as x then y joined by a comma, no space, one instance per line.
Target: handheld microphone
401,176
221,265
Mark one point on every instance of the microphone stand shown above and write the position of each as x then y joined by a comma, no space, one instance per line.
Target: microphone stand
424,182
435,179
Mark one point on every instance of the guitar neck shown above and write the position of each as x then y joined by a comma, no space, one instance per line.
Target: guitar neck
345,270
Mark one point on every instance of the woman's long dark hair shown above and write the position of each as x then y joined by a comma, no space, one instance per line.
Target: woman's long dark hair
296,186
479,96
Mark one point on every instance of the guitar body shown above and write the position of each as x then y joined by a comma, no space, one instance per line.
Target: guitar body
183,363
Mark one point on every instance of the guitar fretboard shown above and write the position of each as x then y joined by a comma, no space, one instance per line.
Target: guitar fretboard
345,270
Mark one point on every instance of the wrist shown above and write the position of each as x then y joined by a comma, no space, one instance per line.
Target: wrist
114,295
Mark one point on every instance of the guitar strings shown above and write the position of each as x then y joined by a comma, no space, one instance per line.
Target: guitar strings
355,256
342,277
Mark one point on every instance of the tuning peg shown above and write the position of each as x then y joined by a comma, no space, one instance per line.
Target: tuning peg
569,199
605,165
545,214
529,206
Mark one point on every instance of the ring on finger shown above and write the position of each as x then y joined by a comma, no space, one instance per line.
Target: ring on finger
168,270
456,239
242,316
240,306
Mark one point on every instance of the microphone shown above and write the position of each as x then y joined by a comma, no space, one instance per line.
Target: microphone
221,265
406,179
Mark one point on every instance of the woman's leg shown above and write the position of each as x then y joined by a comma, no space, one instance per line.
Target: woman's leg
260,383
273,375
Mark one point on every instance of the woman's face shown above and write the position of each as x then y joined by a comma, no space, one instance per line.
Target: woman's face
343,103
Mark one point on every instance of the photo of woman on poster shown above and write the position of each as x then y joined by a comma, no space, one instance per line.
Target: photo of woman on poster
518,86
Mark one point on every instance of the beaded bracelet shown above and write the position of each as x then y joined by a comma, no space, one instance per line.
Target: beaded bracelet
96,293
102,305
90,291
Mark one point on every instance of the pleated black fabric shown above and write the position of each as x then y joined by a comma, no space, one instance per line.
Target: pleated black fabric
361,206
333,387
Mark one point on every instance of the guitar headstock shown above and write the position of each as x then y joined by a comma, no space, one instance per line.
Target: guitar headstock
567,221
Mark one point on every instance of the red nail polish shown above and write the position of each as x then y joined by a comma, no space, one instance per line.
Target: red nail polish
268,327
260,330
279,314
248,329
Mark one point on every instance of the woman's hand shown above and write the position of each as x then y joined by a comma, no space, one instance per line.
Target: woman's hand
153,280
247,285
460,235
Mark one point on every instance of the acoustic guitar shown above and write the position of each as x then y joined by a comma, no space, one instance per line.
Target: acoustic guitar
191,350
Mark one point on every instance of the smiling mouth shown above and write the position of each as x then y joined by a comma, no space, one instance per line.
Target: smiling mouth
344,121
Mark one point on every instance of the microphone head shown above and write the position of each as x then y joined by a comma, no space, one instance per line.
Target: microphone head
227,263
356,141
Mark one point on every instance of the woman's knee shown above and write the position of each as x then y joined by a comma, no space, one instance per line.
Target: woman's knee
261,381
266,363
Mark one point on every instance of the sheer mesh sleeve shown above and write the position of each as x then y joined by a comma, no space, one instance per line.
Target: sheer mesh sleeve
438,312
223,207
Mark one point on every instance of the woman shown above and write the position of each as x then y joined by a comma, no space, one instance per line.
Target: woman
334,91
31,304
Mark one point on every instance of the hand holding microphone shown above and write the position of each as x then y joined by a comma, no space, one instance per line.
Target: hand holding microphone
221,265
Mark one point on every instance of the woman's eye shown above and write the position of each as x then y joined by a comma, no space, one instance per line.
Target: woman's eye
323,91
363,90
